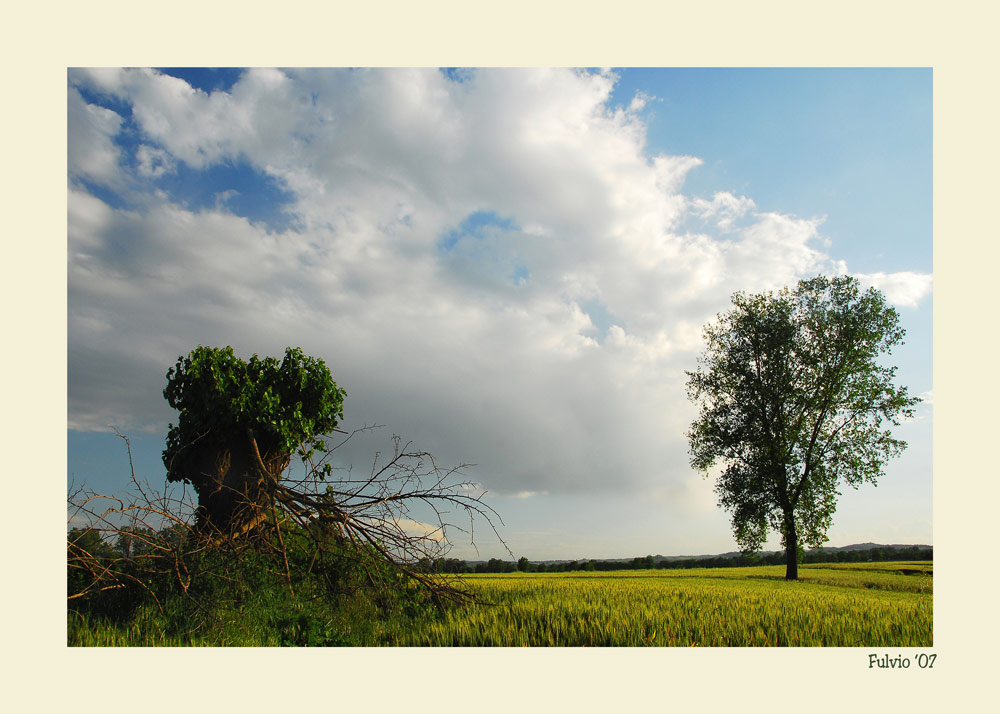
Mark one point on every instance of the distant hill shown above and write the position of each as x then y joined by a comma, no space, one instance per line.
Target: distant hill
869,546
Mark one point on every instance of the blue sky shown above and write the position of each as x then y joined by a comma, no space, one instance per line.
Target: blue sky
510,267
851,145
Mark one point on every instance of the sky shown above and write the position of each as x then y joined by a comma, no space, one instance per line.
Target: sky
509,268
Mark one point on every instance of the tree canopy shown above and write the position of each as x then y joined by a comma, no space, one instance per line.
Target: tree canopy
793,399
220,396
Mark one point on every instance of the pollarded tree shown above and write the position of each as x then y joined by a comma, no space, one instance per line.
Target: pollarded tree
793,400
240,423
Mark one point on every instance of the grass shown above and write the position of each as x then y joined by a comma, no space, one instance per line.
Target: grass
269,620
866,604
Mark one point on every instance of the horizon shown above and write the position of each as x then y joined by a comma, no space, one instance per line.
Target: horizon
681,556
510,267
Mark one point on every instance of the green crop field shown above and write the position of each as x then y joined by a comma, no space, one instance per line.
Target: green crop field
870,604
854,605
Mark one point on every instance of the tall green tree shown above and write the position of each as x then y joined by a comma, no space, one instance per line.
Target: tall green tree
794,398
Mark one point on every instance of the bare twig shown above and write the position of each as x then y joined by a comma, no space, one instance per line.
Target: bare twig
398,515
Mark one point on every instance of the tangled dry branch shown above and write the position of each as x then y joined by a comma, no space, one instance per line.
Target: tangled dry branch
399,514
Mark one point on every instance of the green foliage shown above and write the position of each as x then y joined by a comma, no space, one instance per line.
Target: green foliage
210,594
88,540
794,400
134,541
287,405
495,565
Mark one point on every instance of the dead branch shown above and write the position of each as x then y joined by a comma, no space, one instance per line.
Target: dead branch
399,514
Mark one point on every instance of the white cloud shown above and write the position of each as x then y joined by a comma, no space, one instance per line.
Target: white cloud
418,529
776,251
446,347
91,152
905,289
724,207
528,494
224,197
154,162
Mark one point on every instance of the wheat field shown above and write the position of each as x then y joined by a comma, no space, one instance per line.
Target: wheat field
869,604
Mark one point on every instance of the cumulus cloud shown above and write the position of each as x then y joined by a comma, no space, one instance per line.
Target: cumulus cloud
724,208
92,153
905,289
153,162
455,245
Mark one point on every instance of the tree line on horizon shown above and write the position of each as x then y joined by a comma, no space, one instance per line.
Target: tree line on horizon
818,555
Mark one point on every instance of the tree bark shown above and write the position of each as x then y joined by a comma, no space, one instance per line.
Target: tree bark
791,550
233,493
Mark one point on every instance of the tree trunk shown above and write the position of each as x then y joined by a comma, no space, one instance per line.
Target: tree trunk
791,550
233,492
